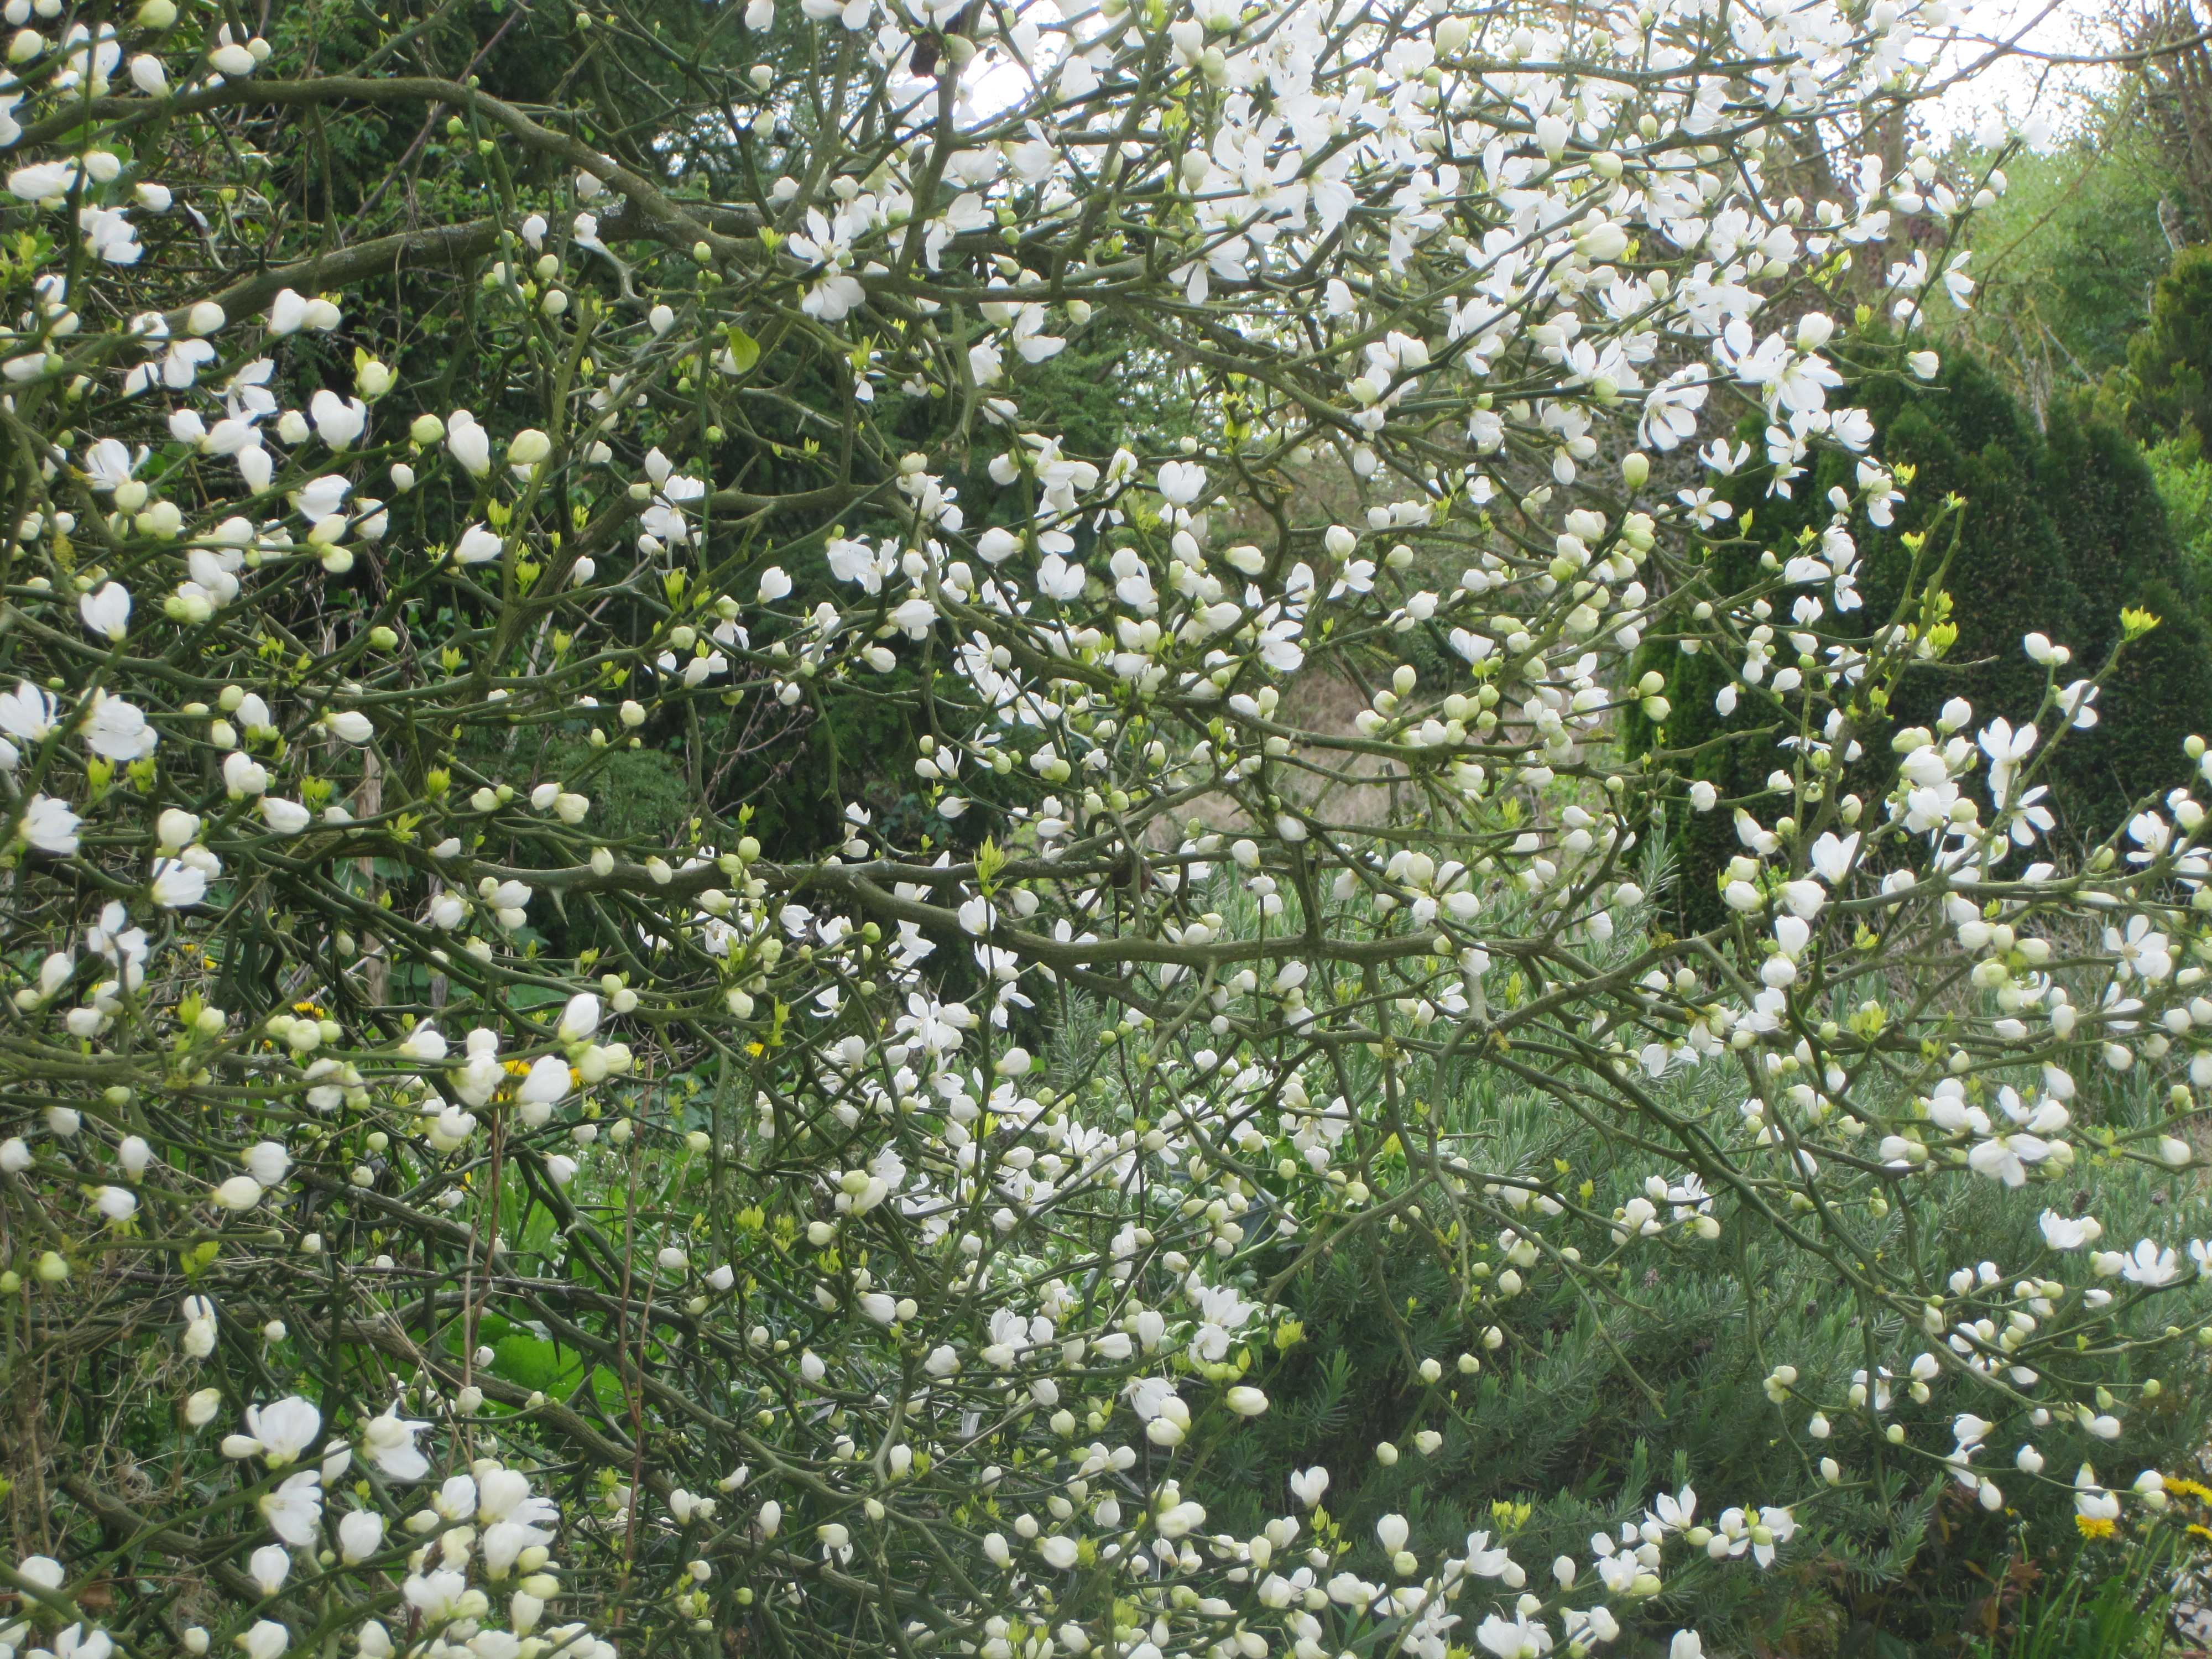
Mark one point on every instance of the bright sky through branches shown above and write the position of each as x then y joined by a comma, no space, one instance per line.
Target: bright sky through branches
2021,87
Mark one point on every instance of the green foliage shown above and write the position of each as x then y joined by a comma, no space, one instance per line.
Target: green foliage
2185,484
2057,532
2166,387
2067,255
1611,1369
1630,1374
2117,1610
641,793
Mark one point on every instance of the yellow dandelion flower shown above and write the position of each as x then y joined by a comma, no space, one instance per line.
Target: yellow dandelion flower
2094,1526
2190,1488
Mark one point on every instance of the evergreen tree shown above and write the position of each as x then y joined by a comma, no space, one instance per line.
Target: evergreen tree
2167,387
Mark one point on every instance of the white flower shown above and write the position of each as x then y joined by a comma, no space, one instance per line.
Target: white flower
109,464
282,1430
477,545
1179,1520
105,611
286,818
272,1564
1519,1639
178,886
338,421
580,1020
505,1496
295,1511
388,1442
2148,1264
2005,1157
547,1083
27,715
469,443
1182,482
1058,1551
243,775
117,729
1832,857
49,825
360,1534
267,1161
2069,1233
42,180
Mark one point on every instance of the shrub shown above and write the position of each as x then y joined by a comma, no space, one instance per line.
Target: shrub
2185,484
2164,390
467,1192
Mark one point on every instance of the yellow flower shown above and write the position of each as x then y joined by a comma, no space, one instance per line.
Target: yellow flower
2189,1488
2093,1526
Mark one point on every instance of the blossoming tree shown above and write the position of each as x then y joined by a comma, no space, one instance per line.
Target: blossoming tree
442,1225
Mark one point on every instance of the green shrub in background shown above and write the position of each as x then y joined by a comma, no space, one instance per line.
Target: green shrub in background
2185,484
2059,530
2167,387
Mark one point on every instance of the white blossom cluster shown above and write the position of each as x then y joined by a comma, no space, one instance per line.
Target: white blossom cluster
973,1164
